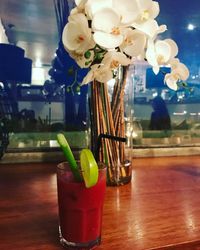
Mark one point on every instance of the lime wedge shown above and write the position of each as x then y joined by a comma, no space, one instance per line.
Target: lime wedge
89,168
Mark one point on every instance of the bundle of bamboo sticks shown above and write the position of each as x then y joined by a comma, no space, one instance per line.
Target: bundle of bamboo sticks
107,117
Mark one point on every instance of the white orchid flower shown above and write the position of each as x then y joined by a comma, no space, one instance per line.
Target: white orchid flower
134,42
77,35
98,72
179,72
114,59
174,63
160,53
127,9
93,6
107,29
117,32
150,28
104,72
173,46
148,10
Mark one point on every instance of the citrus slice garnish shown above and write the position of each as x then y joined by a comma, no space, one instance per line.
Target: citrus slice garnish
89,167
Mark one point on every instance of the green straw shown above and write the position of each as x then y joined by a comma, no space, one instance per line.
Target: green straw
69,156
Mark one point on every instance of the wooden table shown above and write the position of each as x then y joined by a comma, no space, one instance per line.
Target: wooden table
159,209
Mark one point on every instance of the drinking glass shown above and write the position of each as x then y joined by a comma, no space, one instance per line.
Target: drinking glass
80,209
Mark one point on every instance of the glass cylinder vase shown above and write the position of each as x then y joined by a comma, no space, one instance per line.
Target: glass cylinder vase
110,116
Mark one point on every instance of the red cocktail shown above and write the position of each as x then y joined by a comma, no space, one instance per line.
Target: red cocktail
80,209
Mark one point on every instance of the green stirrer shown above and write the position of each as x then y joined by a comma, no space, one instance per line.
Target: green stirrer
69,156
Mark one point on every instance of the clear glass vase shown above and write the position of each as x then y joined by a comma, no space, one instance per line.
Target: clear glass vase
111,116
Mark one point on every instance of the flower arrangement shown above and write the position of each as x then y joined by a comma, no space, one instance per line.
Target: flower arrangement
103,34
107,36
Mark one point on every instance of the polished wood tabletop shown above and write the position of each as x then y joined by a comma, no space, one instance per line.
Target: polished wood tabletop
159,209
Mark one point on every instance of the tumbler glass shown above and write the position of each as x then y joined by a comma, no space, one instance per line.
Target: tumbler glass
80,209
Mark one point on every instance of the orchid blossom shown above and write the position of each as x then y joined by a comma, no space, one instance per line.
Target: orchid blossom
134,42
107,30
77,35
148,10
98,72
127,9
150,28
93,6
160,53
104,34
103,72
114,59
178,73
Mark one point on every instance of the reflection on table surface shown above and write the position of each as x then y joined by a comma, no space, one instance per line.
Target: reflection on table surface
159,209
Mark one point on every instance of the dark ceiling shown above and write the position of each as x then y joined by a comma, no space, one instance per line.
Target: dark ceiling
31,24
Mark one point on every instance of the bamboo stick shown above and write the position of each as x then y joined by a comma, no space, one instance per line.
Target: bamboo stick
114,144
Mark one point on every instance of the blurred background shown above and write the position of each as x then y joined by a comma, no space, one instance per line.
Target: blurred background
39,83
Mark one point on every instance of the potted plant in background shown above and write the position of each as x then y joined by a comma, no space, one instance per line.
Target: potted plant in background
107,36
